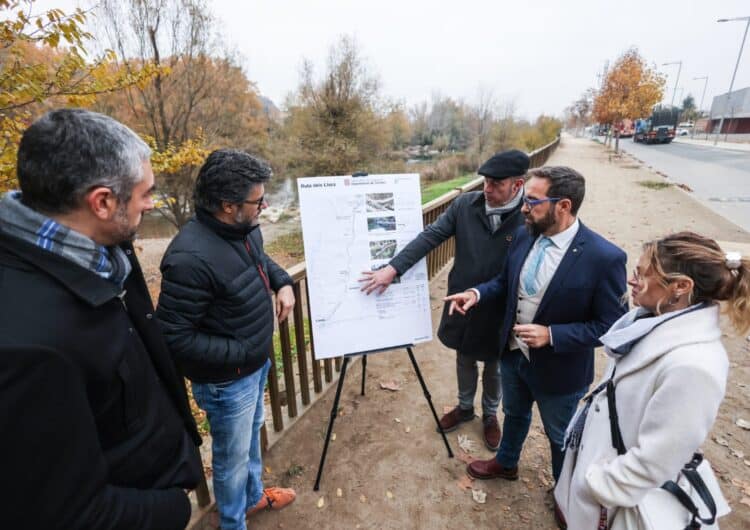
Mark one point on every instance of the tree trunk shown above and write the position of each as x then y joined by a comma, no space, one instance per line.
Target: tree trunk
617,140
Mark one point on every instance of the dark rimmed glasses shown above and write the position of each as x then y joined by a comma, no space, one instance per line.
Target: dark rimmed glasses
257,203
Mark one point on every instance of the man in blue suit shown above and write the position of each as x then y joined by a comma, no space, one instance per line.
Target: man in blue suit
564,284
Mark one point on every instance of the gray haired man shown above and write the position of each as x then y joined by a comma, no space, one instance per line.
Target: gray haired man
115,447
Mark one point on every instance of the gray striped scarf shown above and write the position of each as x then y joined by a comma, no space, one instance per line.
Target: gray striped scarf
21,222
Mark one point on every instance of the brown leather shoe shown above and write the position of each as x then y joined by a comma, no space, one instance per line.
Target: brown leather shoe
492,432
451,420
487,469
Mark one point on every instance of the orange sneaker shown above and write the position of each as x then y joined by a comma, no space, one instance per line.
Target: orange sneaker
273,499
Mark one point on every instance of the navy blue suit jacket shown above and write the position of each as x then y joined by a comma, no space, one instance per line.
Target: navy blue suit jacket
583,299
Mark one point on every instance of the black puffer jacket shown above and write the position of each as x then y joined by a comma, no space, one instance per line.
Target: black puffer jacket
215,306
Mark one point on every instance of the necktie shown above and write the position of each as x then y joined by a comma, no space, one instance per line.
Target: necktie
535,261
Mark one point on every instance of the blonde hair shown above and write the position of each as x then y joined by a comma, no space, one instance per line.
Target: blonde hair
690,255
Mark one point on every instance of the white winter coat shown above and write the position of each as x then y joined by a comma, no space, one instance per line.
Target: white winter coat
668,391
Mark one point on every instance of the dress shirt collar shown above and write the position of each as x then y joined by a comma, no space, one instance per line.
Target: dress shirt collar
562,239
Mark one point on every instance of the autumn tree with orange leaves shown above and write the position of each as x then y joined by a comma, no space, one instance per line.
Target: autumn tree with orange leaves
630,91
43,63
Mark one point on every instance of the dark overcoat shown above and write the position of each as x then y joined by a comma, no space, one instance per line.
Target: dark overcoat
133,413
480,255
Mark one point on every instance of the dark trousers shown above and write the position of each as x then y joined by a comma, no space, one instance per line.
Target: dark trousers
519,394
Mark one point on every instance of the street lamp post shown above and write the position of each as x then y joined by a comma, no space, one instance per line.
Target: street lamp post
731,85
700,107
677,80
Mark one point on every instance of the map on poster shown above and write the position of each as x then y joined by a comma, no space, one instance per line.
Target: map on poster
356,224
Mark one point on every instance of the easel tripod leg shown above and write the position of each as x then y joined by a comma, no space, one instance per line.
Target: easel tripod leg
334,413
364,372
429,400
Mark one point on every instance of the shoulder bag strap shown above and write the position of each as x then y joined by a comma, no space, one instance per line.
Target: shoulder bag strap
614,423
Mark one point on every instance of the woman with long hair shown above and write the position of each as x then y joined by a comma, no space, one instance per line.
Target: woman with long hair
668,370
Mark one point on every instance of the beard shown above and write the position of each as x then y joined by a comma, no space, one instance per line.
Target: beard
537,228
124,231
245,222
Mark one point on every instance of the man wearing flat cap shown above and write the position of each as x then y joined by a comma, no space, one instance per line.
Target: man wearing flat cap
483,223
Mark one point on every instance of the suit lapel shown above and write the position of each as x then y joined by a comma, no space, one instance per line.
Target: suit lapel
575,250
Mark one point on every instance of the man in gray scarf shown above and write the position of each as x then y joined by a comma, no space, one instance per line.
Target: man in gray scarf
483,223
91,406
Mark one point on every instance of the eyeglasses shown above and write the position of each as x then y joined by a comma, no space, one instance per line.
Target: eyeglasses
257,203
533,202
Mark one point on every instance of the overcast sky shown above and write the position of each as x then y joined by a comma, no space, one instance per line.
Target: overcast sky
540,54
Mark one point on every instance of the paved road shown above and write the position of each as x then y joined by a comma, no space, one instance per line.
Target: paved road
720,178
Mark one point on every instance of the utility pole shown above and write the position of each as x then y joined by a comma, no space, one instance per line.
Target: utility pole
700,107
677,80
731,85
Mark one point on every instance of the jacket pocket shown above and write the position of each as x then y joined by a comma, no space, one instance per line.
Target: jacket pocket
121,412
132,411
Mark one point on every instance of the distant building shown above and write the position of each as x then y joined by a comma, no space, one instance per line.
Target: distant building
736,114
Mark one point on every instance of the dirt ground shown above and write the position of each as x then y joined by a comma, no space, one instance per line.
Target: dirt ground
390,464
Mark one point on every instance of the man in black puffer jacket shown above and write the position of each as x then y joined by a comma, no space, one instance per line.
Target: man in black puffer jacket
216,310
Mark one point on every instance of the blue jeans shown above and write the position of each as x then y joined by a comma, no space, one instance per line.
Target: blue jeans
235,415
519,395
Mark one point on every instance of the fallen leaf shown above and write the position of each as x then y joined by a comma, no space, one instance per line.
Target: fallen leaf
465,443
407,430
479,496
389,494
721,441
465,482
465,458
743,423
268,469
397,420
333,437
339,493
321,502
745,501
393,386
362,498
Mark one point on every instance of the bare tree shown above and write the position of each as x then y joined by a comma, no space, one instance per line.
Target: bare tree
199,95
337,125
482,116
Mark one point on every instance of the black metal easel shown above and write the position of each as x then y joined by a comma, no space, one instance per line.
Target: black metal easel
335,408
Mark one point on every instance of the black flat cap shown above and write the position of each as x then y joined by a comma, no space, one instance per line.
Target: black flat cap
513,163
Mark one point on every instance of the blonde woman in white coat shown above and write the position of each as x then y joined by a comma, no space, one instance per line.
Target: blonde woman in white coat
670,371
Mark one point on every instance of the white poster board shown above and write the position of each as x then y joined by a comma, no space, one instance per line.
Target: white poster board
356,224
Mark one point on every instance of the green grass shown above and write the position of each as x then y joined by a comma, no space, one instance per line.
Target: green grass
432,191
287,248
654,184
